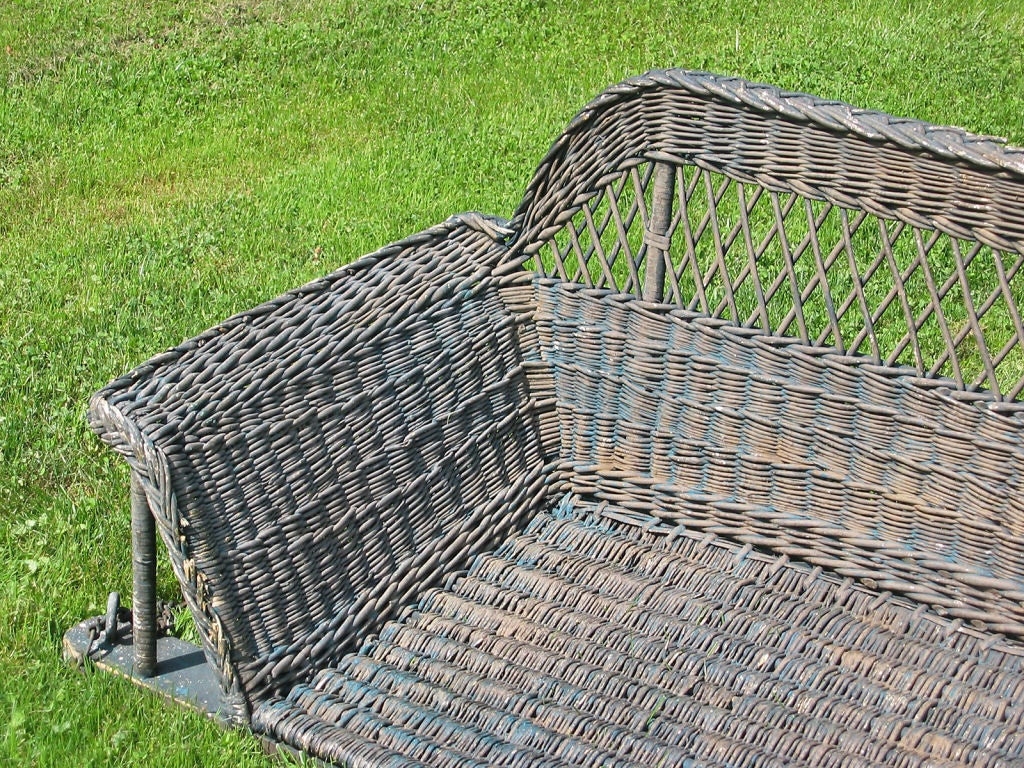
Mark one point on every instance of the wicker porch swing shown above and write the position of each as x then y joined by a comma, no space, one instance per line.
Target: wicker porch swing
711,455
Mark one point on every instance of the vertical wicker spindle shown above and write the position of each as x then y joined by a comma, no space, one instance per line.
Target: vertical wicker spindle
144,581
656,234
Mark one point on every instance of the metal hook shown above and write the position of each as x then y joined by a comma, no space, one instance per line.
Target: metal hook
110,632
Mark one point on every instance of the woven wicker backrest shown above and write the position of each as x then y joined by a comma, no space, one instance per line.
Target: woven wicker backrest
843,228
794,324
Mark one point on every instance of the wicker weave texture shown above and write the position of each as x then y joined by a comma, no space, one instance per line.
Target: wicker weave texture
770,346
328,454
847,229
587,640
696,422
828,342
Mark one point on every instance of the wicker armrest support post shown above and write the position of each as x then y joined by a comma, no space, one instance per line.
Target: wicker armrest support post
143,580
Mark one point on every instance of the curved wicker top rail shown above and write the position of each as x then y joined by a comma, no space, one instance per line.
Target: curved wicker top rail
647,115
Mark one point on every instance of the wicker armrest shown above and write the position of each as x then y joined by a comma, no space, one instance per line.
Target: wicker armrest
311,463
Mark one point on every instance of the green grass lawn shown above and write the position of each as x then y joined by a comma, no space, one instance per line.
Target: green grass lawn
165,164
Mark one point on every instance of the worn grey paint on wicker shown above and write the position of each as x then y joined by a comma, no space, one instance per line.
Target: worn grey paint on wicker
594,639
803,161
317,465
277,444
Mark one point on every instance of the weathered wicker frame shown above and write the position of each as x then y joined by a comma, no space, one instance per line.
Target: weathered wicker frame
605,332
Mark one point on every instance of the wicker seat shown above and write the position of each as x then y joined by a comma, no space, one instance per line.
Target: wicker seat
712,455
591,639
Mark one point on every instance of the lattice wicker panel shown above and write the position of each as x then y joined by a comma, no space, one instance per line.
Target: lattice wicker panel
806,269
